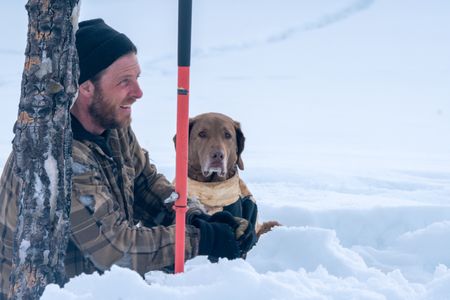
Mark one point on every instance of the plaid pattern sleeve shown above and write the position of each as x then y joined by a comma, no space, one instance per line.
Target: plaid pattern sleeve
103,232
9,191
150,189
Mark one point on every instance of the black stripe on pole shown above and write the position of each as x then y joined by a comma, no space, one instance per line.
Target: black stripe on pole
184,32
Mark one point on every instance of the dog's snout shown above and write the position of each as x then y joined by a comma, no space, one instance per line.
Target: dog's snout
217,155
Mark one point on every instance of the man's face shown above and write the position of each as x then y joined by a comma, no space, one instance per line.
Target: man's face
115,92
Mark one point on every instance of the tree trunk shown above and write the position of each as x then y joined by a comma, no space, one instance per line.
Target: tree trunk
43,145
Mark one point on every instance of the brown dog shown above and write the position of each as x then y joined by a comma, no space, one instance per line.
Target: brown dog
215,146
216,143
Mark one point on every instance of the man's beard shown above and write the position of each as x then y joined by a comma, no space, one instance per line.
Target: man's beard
104,113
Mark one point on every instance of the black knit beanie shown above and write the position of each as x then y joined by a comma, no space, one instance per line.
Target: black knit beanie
98,46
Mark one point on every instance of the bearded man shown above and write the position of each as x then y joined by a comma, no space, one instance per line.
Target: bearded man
118,213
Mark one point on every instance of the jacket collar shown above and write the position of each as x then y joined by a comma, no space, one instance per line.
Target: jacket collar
81,134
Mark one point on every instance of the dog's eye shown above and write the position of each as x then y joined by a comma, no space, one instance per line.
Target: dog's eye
202,134
228,135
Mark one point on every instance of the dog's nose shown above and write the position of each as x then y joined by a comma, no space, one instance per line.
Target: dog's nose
217,155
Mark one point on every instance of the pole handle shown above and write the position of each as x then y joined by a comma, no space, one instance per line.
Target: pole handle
184,32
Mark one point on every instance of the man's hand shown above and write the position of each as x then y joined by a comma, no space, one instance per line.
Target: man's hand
217,236
244,230
246,235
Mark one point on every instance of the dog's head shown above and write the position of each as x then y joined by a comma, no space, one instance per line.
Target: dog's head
216,143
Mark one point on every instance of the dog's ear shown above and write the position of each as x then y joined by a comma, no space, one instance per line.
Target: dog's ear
191,123
240,140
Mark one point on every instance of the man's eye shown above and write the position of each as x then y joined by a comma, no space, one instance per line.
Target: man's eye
202,134
124,82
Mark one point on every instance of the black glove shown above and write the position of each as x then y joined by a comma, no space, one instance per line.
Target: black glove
216,239
224,217
193,214
246,236
243,228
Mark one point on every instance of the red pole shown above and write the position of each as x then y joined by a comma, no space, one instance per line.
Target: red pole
184,53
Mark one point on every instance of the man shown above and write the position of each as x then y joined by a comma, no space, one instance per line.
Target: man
118,215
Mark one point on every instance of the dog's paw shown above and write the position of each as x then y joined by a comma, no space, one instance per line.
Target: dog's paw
266,227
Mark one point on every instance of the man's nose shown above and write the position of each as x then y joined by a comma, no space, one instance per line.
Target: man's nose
137,92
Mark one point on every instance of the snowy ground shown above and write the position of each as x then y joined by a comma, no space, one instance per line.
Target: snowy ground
346,108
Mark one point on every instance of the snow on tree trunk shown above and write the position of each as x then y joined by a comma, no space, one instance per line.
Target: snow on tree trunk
42,147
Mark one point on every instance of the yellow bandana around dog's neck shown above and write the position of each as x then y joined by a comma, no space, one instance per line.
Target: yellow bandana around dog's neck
215,195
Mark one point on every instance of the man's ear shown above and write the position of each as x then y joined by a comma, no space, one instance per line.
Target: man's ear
240,141
191,124
86,89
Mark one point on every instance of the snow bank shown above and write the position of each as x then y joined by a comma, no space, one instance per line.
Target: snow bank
288,263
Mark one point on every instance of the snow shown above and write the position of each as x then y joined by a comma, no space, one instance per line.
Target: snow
345,105
45,67
52,171
24,245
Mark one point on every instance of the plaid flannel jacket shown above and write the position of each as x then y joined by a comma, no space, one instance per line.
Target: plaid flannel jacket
114,187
